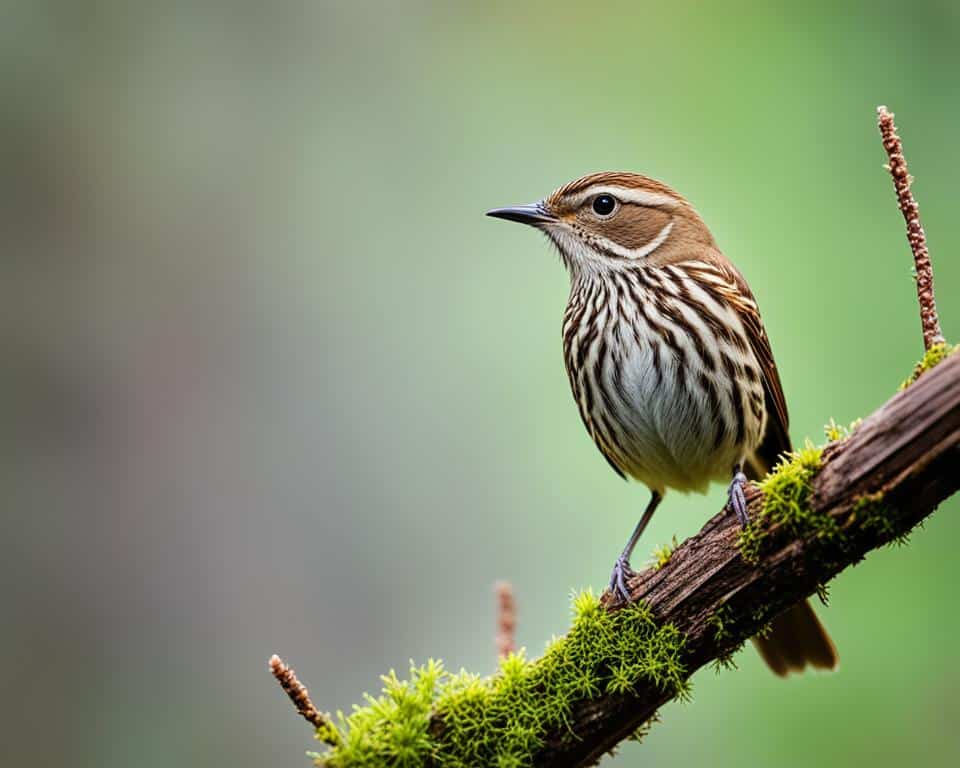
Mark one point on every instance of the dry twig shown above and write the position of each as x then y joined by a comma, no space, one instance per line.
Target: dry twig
506,619
897,166
297,692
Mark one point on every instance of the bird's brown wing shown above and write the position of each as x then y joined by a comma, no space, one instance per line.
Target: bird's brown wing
796,637
776,438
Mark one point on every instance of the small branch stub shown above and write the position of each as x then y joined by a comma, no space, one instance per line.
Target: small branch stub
298,694
897,166
506,619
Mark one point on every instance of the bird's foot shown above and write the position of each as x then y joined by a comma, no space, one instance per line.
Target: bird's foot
618,579
737,499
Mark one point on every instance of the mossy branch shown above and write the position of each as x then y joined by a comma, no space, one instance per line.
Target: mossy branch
824,511
820,511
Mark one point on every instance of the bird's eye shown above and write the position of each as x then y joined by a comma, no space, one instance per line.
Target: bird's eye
604,205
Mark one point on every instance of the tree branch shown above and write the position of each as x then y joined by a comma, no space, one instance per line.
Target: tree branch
904,456
871,488
701,603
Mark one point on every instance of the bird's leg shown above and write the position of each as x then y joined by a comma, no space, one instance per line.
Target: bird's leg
621,569
737,499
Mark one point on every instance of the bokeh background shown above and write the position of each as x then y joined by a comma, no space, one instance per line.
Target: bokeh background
272,382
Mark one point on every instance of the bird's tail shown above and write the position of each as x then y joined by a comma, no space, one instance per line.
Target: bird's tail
796,639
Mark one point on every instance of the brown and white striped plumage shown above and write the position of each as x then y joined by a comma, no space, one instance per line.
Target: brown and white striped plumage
667,357
664,373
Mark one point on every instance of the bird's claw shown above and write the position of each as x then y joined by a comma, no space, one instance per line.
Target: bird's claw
618,580
737,499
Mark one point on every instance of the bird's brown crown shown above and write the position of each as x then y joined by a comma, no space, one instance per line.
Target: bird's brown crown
624,179
628,215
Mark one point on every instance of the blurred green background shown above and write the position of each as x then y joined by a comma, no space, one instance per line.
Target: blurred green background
272,382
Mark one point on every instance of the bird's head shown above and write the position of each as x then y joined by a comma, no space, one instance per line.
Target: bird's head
610,220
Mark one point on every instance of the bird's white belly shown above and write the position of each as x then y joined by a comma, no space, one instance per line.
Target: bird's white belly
670,433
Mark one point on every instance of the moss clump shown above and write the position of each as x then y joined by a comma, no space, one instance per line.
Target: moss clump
504,719
786,502
727,626
392,729
662,555
786,492
722,624
823,594
873,513
643,730
836,432
931,358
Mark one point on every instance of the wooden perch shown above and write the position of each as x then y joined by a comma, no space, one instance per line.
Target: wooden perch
907,453
898,464
713,592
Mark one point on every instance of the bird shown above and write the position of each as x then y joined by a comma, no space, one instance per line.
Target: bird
669,363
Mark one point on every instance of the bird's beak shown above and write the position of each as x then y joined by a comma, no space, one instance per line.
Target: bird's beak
535,214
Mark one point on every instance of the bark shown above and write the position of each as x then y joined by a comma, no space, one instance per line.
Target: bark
907,453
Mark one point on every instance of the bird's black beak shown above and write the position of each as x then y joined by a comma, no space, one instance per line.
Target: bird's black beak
534,214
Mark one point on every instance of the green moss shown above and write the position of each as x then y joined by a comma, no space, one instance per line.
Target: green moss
785,503
836,432
727,626
931,358
504,719
833,431
873,513
643,730
870,511
722,623
662,555
823,594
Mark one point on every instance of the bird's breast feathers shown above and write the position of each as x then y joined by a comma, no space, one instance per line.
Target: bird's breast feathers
664,377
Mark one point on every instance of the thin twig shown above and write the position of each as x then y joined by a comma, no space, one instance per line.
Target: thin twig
299,695
897,166
506,619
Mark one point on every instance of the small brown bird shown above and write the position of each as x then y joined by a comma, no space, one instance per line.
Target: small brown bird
668,361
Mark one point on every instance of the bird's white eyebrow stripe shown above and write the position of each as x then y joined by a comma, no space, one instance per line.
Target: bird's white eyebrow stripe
626,195
643,250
